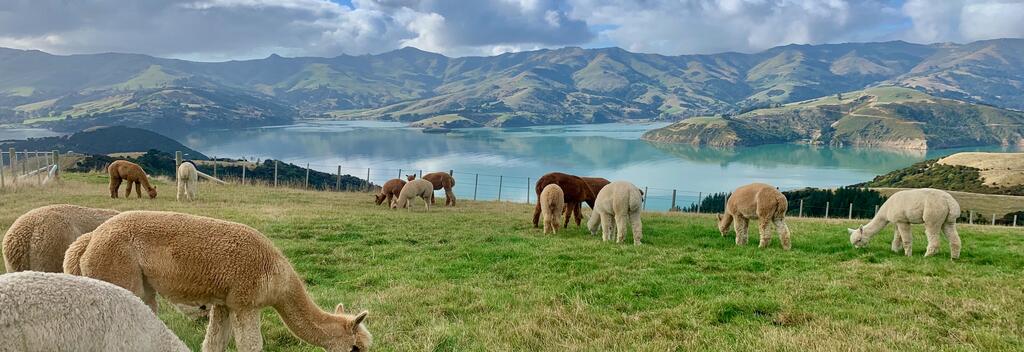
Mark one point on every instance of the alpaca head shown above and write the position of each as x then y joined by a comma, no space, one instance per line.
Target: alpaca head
857,237
723,224
347,333
394,203
380,198
410,177
152,192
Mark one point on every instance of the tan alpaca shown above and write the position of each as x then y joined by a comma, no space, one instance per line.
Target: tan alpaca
415,188
934,208
389,191
616,208
188,181
756,201
231,267
552,204
123,170
37,240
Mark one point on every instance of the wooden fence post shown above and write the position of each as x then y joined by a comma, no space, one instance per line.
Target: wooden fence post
851,212
177,161
399,174
876,210
673,207
1014,220
307,177
826,209
275,172
700,200
24,164
39,165
215,167
451,172
643,206
476,182
971,219
500,179
421,173
13,154
243,173
3,183
527,190
801,214
993,219
368,180
337,184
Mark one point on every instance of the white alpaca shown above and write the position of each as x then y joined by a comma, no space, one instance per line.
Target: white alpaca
60,312
936,209
415,188
188,181
617,204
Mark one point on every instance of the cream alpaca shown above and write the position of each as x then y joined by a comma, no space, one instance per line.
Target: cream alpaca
37,240
617,205
756,201
188,181
415,188
231,267
936,209
552,204
59,312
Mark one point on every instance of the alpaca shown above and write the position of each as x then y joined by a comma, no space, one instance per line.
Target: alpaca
59,312
188,180
414,188
595,184
552,205
756,201
575,190
934,208
389,190
37,240
442,180
618,204
123,170
230,267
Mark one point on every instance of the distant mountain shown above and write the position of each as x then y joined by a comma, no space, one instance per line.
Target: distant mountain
105,140
892,117
569,85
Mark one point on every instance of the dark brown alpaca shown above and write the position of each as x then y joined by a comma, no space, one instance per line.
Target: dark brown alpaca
123,170
595,184
575,190
442,180
390,190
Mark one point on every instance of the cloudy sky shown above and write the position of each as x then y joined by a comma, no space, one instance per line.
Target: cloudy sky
213,30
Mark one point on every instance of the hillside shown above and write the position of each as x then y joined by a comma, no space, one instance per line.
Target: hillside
568,85
988,173
478,277
889,117
105,140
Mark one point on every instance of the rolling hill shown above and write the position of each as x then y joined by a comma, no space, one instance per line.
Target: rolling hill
560,86
105,140
890,117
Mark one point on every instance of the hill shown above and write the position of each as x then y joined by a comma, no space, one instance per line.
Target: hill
891,117
105,140
478,277
988,173
568,85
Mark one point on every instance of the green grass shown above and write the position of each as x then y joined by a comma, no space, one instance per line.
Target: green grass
478,277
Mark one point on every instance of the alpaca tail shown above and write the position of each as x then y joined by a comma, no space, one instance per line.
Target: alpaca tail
73,256
17,246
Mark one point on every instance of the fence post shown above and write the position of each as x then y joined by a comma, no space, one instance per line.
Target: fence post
971,219
527,190
2,182
851,212
993,219
876,210
243,173
476,182
646,195
307,176
421,173
399,174
56,163
1014,220
673,207
337,184
275,172
39,165
826,209
214,167
700,199
177,161
500,179
368,179
14,167
801,214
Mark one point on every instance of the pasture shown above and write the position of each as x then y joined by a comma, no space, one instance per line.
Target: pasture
479,277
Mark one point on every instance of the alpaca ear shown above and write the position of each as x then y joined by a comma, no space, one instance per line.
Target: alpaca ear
339,309
851,231
359,318
719,217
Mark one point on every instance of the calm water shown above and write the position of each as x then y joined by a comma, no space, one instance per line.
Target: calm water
613,151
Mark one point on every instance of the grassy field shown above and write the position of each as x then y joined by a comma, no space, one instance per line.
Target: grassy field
479,278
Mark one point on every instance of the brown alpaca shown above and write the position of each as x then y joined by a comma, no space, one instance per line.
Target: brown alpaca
196,260
37,240
442,180
123,170
389,190
595,184
552,202
575,190
756,201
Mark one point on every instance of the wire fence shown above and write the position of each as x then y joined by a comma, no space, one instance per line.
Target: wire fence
27,168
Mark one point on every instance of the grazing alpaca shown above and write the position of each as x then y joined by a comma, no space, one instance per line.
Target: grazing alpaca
442,180
123,170
936,209
756,201
575,190
188,180
552,204
59,312
231,267
37,240
390,190
617,206
415,188
595,184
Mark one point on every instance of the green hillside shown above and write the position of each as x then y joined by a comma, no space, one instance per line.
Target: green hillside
892,117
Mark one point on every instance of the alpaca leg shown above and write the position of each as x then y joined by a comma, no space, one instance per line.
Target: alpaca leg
547,224
764,231
246,326
449,196
182,192
897,240
907,236
932,231
578,211
621,227
783,229
607,227
192,190
567,213
953,237
128,189
638,227
427,203
218,331
390,197
149,296
739,224
138,189
115,185
536,213
432,197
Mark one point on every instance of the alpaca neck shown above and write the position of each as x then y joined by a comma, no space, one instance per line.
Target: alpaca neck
876,224
302,316
145,182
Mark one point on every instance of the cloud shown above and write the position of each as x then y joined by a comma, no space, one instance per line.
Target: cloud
963,20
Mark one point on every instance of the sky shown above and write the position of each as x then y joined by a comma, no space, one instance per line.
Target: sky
216,30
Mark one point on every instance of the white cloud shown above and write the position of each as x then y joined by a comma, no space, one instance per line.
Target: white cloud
964,20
